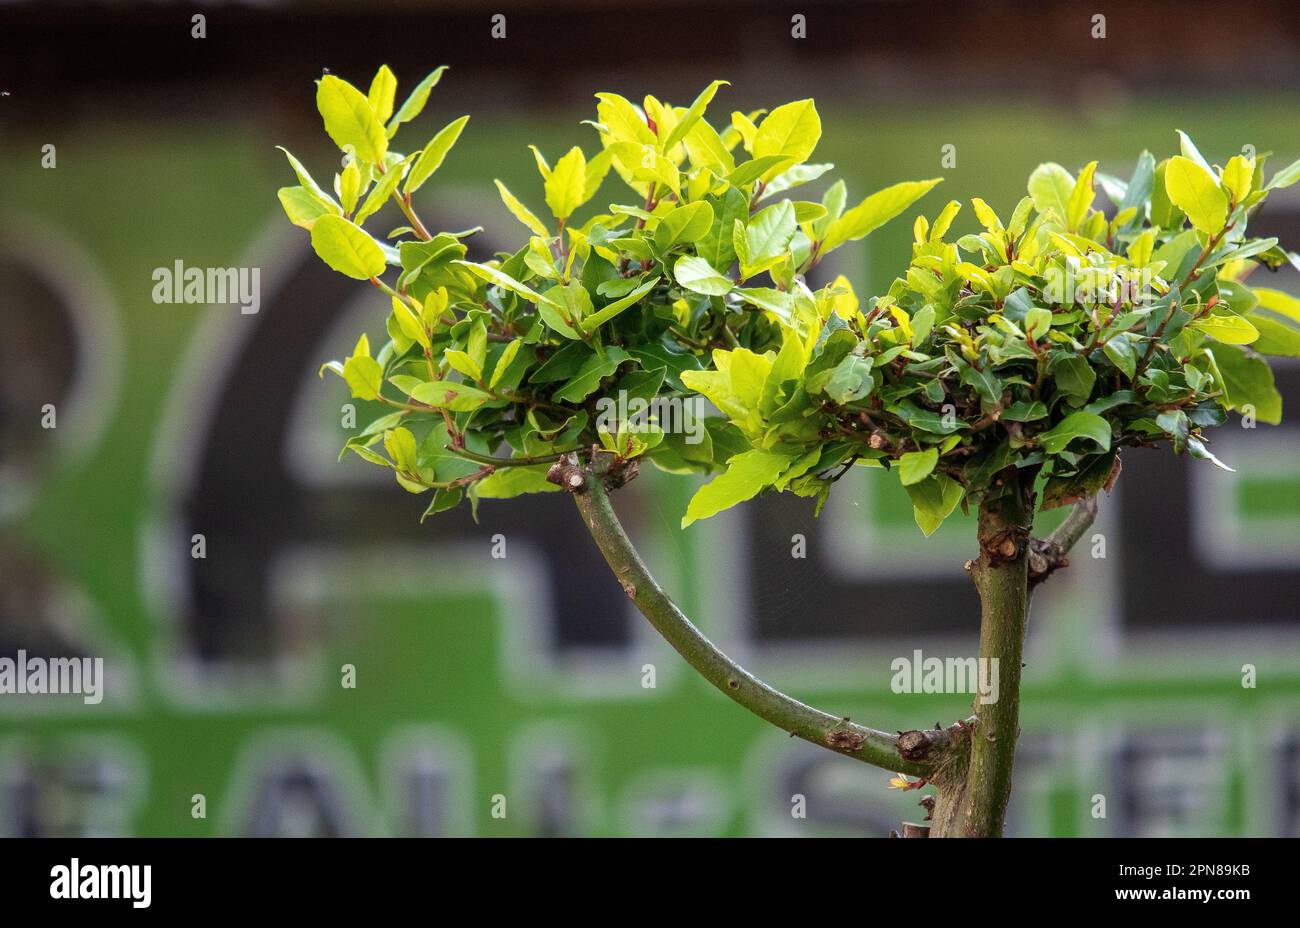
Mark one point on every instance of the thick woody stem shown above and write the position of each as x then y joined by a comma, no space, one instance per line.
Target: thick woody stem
975,806
918,753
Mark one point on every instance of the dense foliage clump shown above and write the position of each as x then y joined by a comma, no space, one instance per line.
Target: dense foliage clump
1042,344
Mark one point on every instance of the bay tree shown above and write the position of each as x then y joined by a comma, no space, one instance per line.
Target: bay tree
1002,372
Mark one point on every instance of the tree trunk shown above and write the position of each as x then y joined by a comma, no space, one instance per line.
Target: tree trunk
971,800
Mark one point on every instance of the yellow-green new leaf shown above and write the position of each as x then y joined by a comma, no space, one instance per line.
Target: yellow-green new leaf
693,114
1050,187
607,313
362,372
1081,197
791,131
933,500
308,182
347,248
688,223
409,323
1285,177
503,363
382,190
401,447
521,212
1278,319
415,101
494,276
1237,177
1195,191
746,475
915,466
349,120
300,206
875,211
696,274
382,90
566,186
433,155
622,120
1229,329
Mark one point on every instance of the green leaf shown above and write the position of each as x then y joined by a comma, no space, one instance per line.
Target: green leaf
985,383
1190,151
622,120
1051,187
381,191
1074,376
415,101
494,276
750,171
1229,329
521,212
1285,177
564,306
503,363
301,207
693,114
933,500
1277,317
309,184
1077,425
716,246
362,372
924,419
510,482
915,466
462,362
1248,381
851,380
694,273
595,369
400,445
770,299
1237,177
736,386
606,313
790,131
1081,198
446,394
1088,482
745,477
409,323
688,223
1122,353
1196,192
347,248
566,187
875,211
1140,186
769,233
434,154
382,90
349,120
1163,211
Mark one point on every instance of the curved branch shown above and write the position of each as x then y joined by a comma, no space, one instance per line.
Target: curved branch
918,753
1047,555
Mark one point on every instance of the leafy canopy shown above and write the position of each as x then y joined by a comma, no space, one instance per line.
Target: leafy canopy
1041,345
